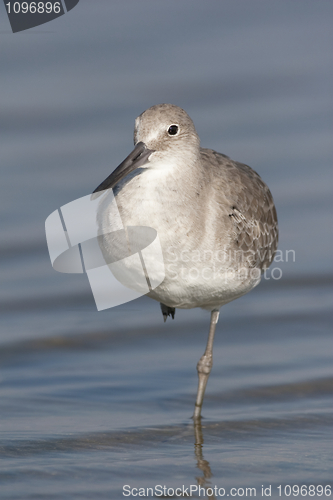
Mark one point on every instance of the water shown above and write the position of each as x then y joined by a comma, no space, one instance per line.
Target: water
90,402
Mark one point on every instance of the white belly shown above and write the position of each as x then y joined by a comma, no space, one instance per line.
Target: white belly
196,275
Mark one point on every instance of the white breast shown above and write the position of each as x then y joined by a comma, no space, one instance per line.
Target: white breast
193,277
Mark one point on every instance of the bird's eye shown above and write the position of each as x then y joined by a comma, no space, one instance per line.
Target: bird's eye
173,129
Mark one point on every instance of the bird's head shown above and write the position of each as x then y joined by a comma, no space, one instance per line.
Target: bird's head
163,135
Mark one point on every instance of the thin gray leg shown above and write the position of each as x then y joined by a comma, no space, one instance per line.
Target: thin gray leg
205,364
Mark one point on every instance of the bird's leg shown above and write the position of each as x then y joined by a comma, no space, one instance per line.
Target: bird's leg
205,364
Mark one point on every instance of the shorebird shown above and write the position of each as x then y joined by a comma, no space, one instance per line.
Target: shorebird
215,218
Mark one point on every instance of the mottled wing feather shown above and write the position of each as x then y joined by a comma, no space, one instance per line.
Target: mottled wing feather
255,219
252,211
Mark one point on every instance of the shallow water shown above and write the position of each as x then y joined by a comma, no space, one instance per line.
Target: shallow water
92,401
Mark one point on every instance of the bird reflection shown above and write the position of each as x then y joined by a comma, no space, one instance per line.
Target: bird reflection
202,464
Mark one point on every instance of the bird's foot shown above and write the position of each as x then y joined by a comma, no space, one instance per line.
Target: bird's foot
167,311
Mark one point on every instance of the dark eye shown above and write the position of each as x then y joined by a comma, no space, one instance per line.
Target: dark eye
173,129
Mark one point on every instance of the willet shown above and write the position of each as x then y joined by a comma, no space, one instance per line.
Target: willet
215,218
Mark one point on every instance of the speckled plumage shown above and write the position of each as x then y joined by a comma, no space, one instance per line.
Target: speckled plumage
251,207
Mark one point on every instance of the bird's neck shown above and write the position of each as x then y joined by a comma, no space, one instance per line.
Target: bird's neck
162,197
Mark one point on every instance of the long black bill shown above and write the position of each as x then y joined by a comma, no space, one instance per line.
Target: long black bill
136,159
